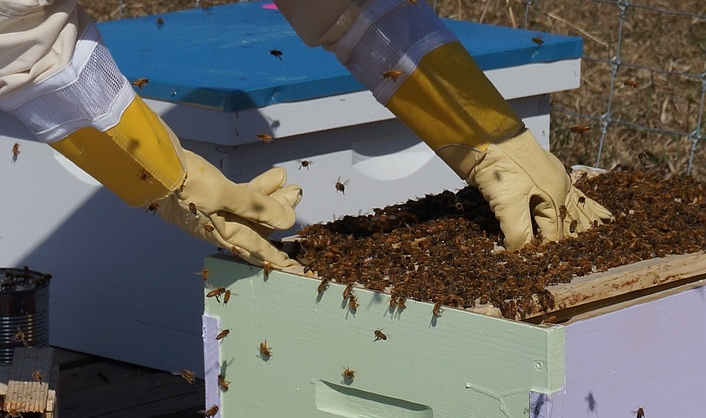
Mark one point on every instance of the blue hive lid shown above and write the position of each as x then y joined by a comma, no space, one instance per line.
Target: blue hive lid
220,57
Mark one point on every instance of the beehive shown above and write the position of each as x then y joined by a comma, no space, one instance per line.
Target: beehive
611,359
604,343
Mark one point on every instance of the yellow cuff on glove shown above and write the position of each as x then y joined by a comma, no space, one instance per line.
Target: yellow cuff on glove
139,159
448,100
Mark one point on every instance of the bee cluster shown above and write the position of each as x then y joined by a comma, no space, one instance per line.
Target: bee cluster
24,279
442,248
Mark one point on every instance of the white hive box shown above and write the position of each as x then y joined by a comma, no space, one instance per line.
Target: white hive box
128,278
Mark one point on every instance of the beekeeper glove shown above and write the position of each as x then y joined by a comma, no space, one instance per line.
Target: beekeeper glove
523,182
58,78
419,70
235,217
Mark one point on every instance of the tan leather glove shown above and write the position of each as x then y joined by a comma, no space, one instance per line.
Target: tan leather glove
236,217
522,181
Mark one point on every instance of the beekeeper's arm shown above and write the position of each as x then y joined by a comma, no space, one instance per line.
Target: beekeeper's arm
58,78
417,68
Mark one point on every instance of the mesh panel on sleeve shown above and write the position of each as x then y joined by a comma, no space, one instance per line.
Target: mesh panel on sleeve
89,100
391,36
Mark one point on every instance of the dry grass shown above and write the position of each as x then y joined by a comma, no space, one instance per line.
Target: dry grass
662,100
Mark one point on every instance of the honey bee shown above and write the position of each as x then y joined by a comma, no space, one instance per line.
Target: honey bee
436,311
348,291
538,40
573,225
21,337
353,303
412,1
208,228
580,128
401,303
152,207
226,297
144,175
348,373
265,351
204,274
341,186
141,82
266,138
234,252
392,75
210,412
216,293
276,53
188,375
267,268
37,376
323,286
13,413
160,22
640,413
393,302
582,200
192,208
305,164
223,383
379,335
224,333
15,150
631,83
562,212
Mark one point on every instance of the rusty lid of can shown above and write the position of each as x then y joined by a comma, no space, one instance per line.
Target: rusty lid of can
22,280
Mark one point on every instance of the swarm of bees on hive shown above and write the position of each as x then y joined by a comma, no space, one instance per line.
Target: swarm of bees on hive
443,248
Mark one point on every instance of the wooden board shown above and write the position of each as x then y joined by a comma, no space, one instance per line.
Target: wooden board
30,383
624,283
617,285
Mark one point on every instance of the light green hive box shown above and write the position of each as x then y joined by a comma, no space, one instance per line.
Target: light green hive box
459,364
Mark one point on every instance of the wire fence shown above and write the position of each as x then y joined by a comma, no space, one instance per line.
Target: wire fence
608,119
642,98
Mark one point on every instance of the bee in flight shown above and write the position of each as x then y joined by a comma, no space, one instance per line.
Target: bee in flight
276,53
140,82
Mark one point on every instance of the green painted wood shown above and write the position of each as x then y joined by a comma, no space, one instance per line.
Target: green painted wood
459,364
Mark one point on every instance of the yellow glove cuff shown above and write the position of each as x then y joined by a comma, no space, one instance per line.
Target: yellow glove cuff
448,100
139,159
